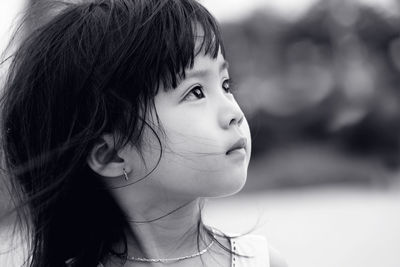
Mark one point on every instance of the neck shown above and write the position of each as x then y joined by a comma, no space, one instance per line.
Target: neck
168,231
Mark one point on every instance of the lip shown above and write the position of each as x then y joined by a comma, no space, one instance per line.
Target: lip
239,144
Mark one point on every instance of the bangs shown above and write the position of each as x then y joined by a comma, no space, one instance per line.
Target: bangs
189,29
164,37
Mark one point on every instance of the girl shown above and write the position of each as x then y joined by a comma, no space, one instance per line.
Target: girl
118,120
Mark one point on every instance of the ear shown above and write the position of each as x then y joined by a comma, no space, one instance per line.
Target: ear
105,160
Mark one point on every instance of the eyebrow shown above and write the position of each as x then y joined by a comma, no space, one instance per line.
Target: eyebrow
204,72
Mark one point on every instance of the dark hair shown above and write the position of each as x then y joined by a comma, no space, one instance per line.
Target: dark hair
93,68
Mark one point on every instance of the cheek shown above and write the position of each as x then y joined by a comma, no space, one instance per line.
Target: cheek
193,138
194,161
201,171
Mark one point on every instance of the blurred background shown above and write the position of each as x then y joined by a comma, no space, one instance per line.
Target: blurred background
319,83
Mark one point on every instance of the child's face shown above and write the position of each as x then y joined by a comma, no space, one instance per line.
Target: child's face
202,122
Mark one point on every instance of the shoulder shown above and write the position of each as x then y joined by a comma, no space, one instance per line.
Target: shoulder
276,259
257,246
253,244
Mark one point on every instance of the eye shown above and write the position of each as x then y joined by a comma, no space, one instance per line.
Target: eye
227,86
195,93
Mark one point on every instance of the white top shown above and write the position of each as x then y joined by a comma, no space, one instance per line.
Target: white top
253,246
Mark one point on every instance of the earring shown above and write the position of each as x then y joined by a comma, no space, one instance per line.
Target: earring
125,174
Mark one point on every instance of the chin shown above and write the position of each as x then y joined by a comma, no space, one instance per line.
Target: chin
228,186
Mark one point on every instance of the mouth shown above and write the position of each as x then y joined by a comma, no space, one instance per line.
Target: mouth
239,145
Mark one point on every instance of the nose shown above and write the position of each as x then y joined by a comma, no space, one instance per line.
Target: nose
231,115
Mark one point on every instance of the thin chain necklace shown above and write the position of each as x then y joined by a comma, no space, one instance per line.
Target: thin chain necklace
138,259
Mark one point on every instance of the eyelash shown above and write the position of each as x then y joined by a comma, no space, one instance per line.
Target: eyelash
227,89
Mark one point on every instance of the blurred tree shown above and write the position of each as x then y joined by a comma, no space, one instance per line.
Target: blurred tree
333,74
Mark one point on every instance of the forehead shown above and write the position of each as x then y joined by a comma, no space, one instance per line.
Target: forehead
203,40
206,63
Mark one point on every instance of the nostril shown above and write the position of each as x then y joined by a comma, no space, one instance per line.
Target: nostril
236,121
240,120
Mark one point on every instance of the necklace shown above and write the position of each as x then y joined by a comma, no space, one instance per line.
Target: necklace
132,258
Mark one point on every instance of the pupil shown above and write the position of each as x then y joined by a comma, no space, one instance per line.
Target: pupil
226,85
